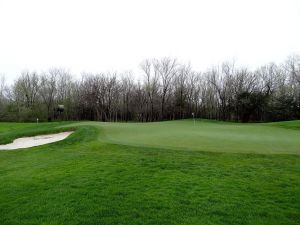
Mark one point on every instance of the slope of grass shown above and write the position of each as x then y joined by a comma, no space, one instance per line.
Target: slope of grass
90,179
295,125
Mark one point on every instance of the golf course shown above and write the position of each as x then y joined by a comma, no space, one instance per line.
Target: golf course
172,172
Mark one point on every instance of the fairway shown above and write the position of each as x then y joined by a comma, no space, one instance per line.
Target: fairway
174,172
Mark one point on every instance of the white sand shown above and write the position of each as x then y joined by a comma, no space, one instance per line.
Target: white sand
27,142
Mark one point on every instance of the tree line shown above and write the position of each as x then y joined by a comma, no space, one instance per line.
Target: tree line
166,90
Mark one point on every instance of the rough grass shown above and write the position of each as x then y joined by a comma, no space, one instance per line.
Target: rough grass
90,179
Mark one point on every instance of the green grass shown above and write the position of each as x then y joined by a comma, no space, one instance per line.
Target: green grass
207,136
154,173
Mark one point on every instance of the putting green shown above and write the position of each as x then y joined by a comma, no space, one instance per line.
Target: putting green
266,138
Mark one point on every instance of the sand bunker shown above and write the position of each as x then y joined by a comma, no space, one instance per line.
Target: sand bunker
27,142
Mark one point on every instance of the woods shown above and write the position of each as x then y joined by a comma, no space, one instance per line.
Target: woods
166,90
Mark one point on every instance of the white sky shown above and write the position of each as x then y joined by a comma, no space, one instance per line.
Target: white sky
93,36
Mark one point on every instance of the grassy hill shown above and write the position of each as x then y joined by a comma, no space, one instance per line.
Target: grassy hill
153,173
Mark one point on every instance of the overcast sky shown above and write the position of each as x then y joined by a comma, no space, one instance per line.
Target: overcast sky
116,35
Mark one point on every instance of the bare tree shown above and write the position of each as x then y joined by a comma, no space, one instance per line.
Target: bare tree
127,87
292,65
3,87
3,96
193,91
140,100
151,83
180,89
48,90
28,86
166,68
